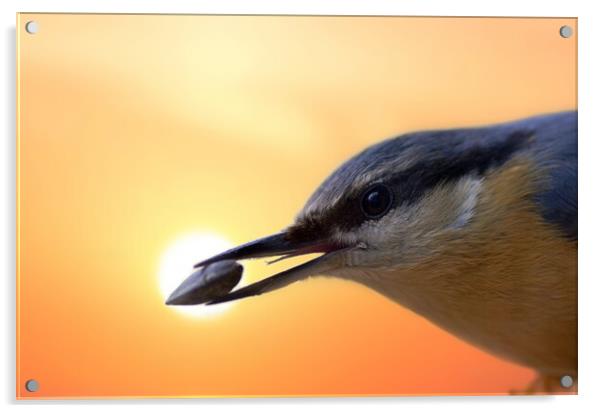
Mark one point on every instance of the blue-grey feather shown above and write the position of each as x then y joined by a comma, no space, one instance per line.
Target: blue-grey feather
555,153
440,156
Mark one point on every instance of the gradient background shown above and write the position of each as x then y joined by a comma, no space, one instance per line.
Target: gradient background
136,130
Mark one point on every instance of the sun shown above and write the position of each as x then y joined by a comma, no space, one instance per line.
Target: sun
176,264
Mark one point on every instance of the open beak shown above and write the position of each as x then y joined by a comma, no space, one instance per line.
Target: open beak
272,246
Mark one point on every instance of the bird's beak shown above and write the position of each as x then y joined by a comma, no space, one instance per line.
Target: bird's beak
277,245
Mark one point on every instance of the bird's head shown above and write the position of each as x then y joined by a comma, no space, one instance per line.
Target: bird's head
391,206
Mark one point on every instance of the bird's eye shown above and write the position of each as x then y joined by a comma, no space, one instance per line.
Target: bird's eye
376,201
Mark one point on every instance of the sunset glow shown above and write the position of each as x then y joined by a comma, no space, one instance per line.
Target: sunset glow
148,142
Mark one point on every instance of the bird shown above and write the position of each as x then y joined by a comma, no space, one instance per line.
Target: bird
473,229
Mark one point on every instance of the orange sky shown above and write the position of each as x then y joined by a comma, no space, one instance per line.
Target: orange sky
135,131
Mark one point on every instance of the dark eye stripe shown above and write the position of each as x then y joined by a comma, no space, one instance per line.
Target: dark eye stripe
451,159
411,184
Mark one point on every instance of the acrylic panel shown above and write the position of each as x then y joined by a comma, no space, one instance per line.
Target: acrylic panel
442,262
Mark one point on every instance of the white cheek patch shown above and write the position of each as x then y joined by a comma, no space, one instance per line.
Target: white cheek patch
410,228
469,190
372,233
